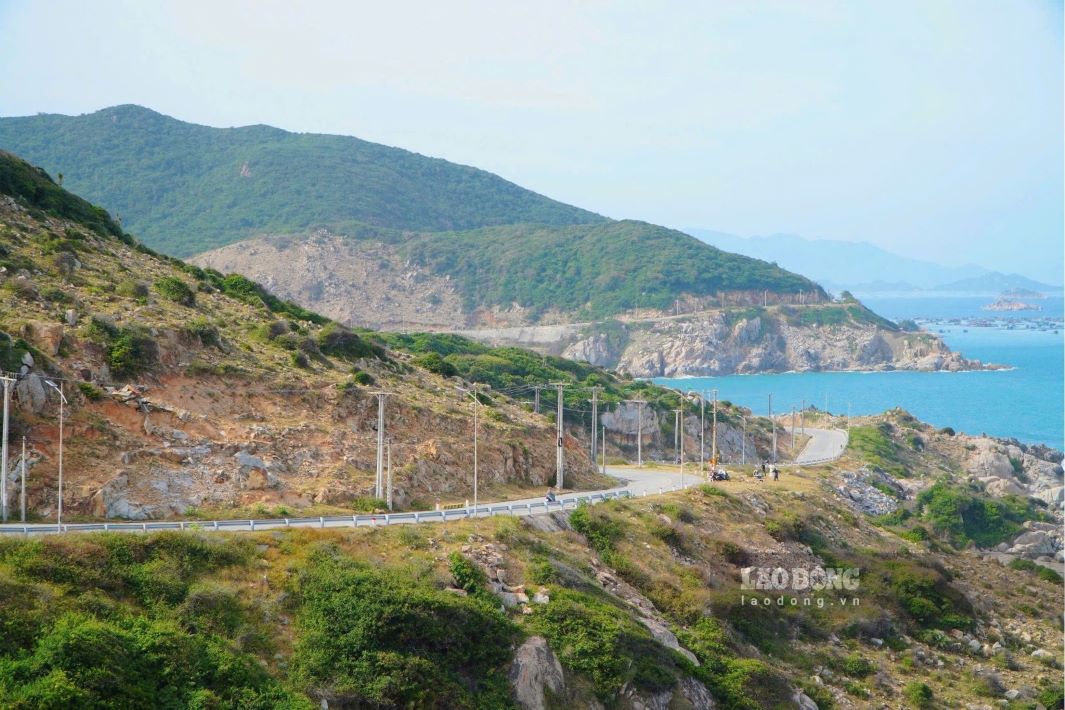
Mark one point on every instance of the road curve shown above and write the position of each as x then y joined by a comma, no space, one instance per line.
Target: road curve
632,482
824,445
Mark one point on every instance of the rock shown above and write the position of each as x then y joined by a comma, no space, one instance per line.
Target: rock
974,646
1042,653
48,337
71,317
697,694
1012,694
541,598
803,701
27,359
31,393
877,642
456,590
534,668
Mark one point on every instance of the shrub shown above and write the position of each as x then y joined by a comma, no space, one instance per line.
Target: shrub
90,391
339,341
367,504
300,359
467,575
205,331
130,352
1044,573
918,694
433,362
379,639
132,289
176,290
361,377
966,517
598,527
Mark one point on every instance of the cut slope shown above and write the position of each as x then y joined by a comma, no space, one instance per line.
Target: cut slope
185,188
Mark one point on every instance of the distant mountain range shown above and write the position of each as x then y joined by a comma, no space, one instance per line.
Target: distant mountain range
504,251
861,267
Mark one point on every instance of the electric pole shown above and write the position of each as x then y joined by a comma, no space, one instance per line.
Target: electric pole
8,381
639,429
560,459
475,393
743,443
536,402
379,483
62,402
604,449
713,437
595,420
388,468
702,434
774,424
22,494
802,418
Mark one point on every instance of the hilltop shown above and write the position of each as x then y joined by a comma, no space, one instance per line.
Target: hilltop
183,188
499,249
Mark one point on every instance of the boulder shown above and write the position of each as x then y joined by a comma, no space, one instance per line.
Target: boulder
31,393
803,701
534,668
47,337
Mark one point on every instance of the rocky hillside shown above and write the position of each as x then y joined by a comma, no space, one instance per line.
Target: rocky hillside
724,341
659,602
193,391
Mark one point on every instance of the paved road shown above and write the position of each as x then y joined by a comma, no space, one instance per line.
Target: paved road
824,445
632,482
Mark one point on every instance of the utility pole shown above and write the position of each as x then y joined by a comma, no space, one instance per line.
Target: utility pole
560,458
848,416
802,417
678,438
774,423
604,449
826,402
536,405
713,437
743,443
765,298
702,435
379,482
8,381
595,420
22,494
62,402
475,394
388,468
639,429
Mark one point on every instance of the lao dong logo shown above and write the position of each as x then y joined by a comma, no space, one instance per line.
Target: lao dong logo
803,582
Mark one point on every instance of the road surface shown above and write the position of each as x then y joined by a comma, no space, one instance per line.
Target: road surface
824,445
632,482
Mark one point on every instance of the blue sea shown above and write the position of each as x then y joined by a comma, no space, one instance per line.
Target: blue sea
1025,402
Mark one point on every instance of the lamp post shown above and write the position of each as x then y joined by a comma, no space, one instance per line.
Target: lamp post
62,403
475,394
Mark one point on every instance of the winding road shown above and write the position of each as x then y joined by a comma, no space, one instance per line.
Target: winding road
824,445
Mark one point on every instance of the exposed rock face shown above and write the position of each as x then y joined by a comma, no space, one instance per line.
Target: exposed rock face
710,343
857,490
534,669
355,281
1009,468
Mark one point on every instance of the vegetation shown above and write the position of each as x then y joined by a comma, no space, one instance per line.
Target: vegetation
875,445
291,181
593,270
379,638
1044,573
964,516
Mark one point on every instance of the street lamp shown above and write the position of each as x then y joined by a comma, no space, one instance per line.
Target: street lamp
475,394
62,402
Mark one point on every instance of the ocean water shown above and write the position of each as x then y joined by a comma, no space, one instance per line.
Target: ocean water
1025,402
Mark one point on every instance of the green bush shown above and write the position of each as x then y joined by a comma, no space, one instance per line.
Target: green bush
361,377
131,352
433,362
598,527
132,289
90,391
338,341
467,575
1044,573
918,694
176,290
377,638
964,516
603,643
366,504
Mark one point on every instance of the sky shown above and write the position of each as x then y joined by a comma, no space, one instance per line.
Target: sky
931,128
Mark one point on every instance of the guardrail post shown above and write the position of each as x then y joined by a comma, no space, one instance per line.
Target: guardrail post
144,526
105,527
417,518
354,521
321,521
251,523
287,523
387,521
215,524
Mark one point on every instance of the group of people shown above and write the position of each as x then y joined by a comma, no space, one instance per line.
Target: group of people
767,468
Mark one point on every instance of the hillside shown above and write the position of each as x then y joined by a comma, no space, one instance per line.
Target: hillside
184,188
514,275
633,604
194,393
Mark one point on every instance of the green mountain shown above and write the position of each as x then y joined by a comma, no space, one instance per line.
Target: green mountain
184,188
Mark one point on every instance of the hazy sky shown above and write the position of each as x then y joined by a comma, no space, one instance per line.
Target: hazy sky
928,127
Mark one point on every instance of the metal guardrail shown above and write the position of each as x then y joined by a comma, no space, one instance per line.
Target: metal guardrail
364,520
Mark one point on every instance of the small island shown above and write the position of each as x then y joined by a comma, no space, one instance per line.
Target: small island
1009,304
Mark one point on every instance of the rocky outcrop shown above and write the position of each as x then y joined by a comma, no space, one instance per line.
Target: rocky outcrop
534,670
724,342
864,490
1010,468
